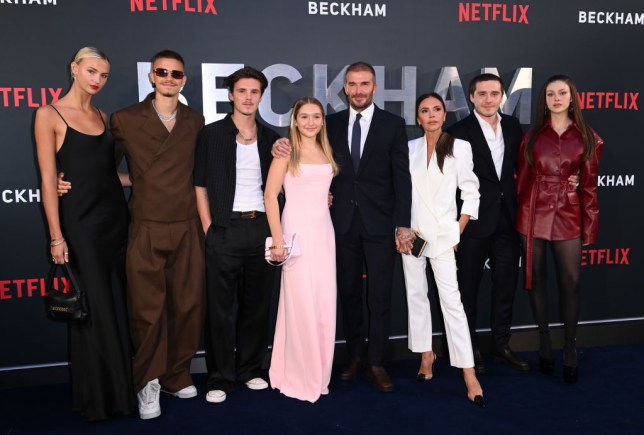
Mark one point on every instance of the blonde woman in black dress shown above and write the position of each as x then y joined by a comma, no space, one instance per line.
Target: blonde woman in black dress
88,229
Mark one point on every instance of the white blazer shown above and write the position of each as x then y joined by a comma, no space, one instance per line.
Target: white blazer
433,201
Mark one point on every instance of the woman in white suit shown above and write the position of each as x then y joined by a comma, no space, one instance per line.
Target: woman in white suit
439,165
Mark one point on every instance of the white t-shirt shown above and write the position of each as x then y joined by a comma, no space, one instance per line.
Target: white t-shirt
248,186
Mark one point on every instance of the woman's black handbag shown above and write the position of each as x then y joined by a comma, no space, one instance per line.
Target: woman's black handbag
62,306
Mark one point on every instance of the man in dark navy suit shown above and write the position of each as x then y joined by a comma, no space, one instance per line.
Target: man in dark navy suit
371,216
495,140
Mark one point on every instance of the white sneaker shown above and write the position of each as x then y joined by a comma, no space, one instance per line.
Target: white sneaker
185,393
215,396
257,384
148,397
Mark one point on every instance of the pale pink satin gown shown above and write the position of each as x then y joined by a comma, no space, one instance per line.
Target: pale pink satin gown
305,328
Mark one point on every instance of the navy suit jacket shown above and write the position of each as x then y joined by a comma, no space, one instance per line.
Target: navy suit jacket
381,188
492,189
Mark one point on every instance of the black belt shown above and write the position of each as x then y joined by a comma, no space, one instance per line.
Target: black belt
252,214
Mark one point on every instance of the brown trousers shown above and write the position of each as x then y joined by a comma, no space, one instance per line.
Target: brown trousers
166,281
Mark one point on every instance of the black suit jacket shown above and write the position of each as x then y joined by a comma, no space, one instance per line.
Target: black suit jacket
216,164
493,191
381,189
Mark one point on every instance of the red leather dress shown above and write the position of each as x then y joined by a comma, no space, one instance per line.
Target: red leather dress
550,208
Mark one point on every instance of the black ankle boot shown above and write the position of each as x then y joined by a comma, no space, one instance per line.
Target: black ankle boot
546,362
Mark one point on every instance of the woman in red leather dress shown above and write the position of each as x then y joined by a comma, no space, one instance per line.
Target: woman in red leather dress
553,212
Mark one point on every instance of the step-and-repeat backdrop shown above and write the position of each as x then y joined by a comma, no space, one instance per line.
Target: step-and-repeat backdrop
302,47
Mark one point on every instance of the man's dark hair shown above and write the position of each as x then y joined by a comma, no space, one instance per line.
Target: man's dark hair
247,72
360,66
485,78
168,54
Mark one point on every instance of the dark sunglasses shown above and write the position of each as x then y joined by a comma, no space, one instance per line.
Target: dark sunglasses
162,72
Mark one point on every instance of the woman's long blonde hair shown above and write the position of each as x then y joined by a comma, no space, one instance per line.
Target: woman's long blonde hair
296,140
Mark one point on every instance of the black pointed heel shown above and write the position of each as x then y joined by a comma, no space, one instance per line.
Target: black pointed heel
478,401
570,375
547,366
422,377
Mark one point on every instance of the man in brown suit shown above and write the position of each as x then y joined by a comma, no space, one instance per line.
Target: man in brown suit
165,254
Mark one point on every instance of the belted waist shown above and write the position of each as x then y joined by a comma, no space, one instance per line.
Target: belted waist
251,214
552,178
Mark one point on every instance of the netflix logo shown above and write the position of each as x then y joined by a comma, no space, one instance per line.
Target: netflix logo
608,100
197,6
605,256
29,287
472,12
29,97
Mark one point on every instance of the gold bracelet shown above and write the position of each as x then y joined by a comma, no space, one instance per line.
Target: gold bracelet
278,247
59,242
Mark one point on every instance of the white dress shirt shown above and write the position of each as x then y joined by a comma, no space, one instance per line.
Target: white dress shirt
365,123
494,141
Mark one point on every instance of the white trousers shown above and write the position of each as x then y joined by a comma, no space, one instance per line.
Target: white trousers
420,317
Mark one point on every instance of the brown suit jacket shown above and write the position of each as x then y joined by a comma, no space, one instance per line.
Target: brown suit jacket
160,162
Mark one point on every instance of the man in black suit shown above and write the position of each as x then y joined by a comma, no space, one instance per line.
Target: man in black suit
495,140
371,203
371,216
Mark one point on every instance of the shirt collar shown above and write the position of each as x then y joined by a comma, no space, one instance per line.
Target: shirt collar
367,113
548,124
483,121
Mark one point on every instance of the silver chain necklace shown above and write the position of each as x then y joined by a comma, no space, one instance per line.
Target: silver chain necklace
252,136
164,118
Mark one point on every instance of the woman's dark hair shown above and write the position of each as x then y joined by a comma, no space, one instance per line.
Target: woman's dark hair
445,144
574,113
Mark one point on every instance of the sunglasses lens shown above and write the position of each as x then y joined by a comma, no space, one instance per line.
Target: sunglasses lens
161,72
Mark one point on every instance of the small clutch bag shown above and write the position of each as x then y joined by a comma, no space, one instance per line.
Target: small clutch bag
61,306
291,246
418,246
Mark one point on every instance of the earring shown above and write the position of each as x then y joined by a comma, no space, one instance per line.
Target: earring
73,76
570,108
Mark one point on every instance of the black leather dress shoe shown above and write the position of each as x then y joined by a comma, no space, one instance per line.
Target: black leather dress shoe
350,371
547,365
380,378
479,365
508,356
570,375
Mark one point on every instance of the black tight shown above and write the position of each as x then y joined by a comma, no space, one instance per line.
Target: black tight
567,256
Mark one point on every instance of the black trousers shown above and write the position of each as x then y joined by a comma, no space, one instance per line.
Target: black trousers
239,285
353,250
502,248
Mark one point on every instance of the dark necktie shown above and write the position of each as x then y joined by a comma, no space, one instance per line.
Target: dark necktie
355,143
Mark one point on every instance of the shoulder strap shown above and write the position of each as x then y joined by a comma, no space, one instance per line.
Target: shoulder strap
61,116
100,115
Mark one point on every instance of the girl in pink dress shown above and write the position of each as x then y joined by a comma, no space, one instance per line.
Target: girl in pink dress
305,329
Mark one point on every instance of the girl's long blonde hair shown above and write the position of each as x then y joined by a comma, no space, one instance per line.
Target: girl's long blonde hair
296,140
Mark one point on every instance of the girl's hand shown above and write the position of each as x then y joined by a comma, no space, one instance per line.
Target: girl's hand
279,254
